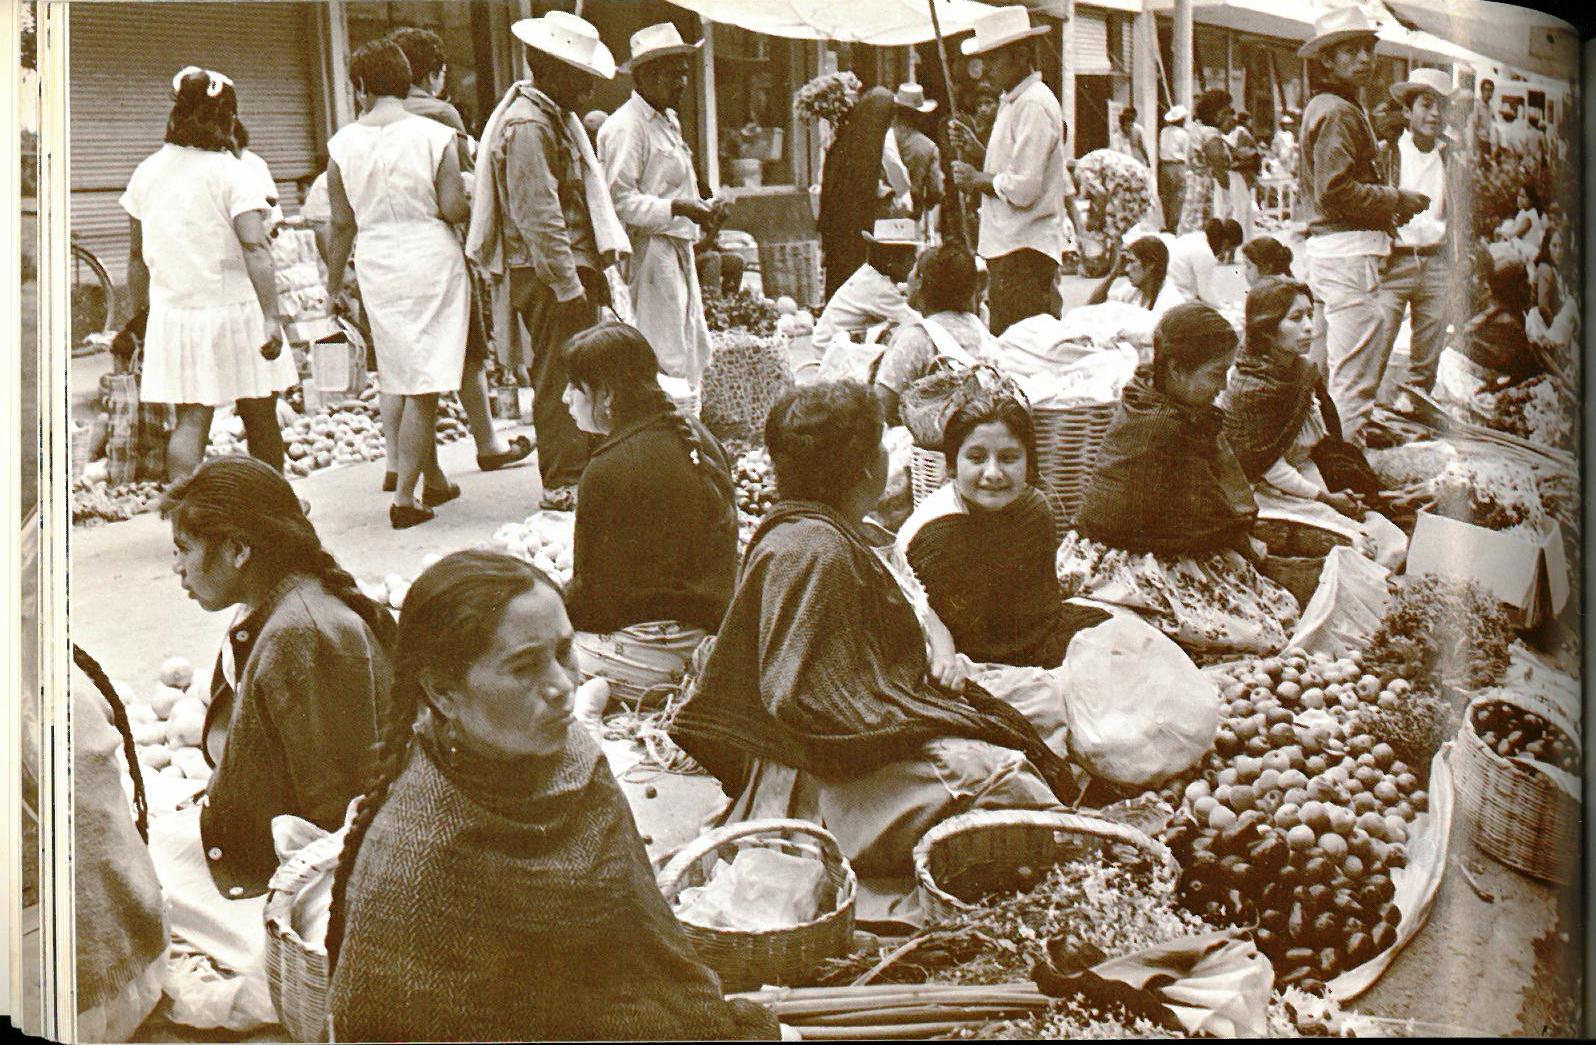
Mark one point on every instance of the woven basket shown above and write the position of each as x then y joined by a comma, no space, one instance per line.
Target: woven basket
792,268
1067,442
747,959
1297,574
745,377
989,848
1516,813
928,470
1297,540
296,972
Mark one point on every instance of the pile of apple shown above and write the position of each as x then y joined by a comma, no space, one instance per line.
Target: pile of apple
545,539
756,489
168,724
1299,817
1515,732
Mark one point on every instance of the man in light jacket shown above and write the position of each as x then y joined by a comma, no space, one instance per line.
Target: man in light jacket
652,181
1021,183
1417,277
1351,214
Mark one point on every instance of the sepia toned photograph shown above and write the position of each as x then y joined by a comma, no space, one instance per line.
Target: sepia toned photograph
782,519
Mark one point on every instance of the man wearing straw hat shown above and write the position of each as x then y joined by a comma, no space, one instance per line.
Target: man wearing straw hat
1174,145
1350,212
874,292
543,226
920,155
651,180
1418,273
1021,182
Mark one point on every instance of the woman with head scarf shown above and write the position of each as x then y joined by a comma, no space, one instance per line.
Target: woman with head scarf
492,885
297,699
852,195
1281,425
200,274
1165,529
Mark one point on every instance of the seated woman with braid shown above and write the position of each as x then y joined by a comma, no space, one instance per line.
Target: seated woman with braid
298,696
493,886
1165,529
820,699
1284,430
655,556
983,544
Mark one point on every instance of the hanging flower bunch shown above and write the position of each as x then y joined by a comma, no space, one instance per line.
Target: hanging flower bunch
828,97
1116,185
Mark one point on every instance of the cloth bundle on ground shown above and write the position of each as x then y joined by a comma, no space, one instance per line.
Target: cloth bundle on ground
506,901
1346,608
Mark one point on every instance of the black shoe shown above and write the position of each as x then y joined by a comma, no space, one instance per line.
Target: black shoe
404,516
432,498
520,450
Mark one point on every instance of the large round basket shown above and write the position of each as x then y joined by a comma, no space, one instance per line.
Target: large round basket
296,972
928,470
1067,441
994,851
793,269
746,959
1298,575
745,377
1517,813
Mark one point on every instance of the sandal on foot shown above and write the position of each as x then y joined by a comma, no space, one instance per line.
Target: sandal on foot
404,516
390,482
432,498
520,449
559,499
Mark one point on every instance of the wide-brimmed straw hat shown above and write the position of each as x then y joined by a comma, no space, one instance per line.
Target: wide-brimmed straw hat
912,96
653,42
1335,26
1176,115
1436,81
573,40
1004,26
894,232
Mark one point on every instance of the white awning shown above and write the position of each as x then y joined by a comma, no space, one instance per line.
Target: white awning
1514,36
1285,19
883,23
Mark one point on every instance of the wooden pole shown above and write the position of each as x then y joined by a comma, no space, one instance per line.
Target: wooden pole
950,193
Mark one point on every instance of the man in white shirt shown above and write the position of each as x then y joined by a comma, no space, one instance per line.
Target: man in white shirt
1174,143
1194,258
1021,182
874,293
1417,274
650,173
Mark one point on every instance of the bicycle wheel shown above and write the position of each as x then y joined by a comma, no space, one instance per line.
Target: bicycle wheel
94,311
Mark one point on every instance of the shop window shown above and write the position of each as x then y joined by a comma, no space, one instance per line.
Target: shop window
756,77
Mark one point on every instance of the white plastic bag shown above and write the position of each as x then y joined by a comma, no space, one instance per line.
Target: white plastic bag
1347,606
760,890
1139,711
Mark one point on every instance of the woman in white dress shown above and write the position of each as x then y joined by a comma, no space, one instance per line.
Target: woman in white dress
200,265
394,177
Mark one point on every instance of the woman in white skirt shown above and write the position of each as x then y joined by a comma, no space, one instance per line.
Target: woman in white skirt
394,177
200,265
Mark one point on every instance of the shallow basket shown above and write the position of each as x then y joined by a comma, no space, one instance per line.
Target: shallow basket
792,268
296,972
997,844
746,959
1067,442
1516,813
1297,574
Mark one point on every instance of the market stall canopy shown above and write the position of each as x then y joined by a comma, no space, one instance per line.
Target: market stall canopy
882,23
1515,36
1286,19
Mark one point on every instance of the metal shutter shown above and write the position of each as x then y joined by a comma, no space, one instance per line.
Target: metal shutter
1089,48
123,59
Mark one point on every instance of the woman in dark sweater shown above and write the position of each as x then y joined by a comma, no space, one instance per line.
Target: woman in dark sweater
983,544
493,886
1165,529
655,556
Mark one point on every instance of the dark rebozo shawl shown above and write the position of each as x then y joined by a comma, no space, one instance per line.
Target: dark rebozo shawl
1271,393
1166,481
991,579
821,665
514,901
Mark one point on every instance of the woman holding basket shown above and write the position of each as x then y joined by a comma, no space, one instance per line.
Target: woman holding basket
493,886
200,272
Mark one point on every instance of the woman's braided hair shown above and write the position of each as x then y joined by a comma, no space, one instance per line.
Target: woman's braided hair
91,667
616,357
449,619
243,499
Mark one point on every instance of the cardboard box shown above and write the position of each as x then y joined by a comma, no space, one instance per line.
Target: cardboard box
1530,575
